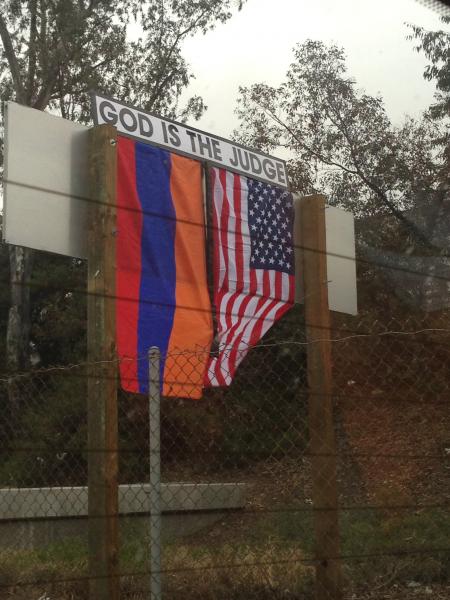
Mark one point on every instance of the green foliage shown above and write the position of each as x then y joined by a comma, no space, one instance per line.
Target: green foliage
53,53
58,300
436,47
4,302
341,139
47,435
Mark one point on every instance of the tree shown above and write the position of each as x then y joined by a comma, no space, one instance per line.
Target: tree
54,51
436,47
341,139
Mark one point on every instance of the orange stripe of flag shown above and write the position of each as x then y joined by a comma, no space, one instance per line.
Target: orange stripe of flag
192,329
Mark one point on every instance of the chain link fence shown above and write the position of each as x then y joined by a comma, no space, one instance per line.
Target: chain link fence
236,474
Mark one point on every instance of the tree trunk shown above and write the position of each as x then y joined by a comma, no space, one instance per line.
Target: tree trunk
19,318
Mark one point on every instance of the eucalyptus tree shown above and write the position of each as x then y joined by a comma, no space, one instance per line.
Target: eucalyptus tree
53,52
435,45
341,139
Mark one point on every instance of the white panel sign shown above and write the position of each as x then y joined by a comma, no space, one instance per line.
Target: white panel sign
341,260
197,144
45,182
341,263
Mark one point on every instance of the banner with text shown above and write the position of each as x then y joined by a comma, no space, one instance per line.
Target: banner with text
189,141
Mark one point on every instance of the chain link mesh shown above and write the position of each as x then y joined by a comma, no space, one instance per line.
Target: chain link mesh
237,479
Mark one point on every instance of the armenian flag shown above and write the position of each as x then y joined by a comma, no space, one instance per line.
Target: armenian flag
161,283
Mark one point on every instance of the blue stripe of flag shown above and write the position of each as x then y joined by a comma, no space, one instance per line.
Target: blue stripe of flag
158,271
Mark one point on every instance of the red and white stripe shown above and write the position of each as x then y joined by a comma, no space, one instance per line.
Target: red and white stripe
247,301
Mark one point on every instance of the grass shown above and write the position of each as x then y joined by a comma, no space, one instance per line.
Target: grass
264,558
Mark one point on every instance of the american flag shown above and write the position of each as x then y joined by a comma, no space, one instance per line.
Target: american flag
253,266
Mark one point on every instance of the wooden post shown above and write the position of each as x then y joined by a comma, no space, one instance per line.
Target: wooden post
104,582
321,428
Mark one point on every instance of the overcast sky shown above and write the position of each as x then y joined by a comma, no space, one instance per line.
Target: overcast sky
256,46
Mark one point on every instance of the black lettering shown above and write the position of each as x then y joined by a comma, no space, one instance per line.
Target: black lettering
243,159
255,164
192,135
204,145
280,173
268,168
111,115
126,112
164,129
174,137
217,152
234,161
145,126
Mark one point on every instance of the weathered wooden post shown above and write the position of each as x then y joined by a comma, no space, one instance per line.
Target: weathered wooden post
104,583
311,233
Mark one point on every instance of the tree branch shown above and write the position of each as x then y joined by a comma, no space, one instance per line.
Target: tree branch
32,50
47,89
376,189
159,85
12,61
315,153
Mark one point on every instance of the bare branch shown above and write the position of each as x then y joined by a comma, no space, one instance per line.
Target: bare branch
32,50
12,61
301,143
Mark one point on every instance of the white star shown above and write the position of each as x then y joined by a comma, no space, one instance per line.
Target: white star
281,263
258,220
253,227
289,249
270,245
252,212
271,261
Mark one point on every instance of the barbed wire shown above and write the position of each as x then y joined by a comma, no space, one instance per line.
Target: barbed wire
234,565
210,227
226,353
302,454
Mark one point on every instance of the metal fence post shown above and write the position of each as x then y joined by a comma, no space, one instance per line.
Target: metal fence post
154,399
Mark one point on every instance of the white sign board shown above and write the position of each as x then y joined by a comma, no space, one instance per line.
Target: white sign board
45,182
46,198
341,260
188,141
